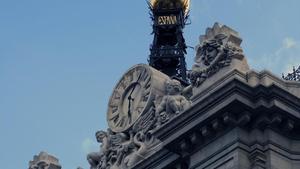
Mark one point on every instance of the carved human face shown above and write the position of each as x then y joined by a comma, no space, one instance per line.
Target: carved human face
173,87
209,54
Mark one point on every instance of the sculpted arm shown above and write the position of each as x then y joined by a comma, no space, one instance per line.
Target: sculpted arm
162,106
185,103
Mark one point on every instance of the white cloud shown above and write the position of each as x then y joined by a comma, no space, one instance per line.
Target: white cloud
89,145
283,59
289,43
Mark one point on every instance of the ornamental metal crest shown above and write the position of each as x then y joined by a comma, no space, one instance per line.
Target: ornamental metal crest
294,76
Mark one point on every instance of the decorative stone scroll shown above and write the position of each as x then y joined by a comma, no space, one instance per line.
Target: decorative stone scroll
217,48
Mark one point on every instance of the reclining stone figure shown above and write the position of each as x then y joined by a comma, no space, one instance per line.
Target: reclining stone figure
98,160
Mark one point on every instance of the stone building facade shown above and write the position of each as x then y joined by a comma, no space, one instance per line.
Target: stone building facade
230,117
225,116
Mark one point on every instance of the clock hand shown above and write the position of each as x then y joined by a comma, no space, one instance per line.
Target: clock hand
135,84
130,98
129,108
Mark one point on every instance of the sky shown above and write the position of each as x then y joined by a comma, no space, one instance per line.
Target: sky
60,60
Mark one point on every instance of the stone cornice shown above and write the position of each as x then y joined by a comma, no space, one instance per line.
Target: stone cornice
256,150
160,159
256,98
250,78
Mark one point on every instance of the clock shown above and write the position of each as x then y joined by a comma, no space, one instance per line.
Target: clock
134,95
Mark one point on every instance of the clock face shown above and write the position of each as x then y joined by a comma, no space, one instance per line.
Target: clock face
129,98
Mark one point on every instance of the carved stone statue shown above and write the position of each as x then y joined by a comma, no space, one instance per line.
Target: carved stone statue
124,149
98,160
44,161
120,144
172,103
114,148
40,165
121,150
209,54
217,48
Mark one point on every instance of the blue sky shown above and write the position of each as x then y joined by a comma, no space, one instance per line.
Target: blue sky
59,61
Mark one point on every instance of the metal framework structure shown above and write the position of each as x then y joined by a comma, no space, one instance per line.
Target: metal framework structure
167,52
294,76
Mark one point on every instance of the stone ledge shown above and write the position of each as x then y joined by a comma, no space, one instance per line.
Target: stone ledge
252,98
250,78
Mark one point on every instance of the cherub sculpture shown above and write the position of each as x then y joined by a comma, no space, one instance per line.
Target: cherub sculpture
172,103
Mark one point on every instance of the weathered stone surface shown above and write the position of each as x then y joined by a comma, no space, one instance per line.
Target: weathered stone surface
259,115
235,118
218,53
44,161
125,146
172,103
252,79
134,95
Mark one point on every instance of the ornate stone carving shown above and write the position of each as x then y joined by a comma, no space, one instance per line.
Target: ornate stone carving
125,145
99,159
121,150
112,150
216,50
172,103
44,161
126,149
145,143
133,96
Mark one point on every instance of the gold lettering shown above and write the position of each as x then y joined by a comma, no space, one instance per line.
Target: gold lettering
160,20
173,19
167,20
164,20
